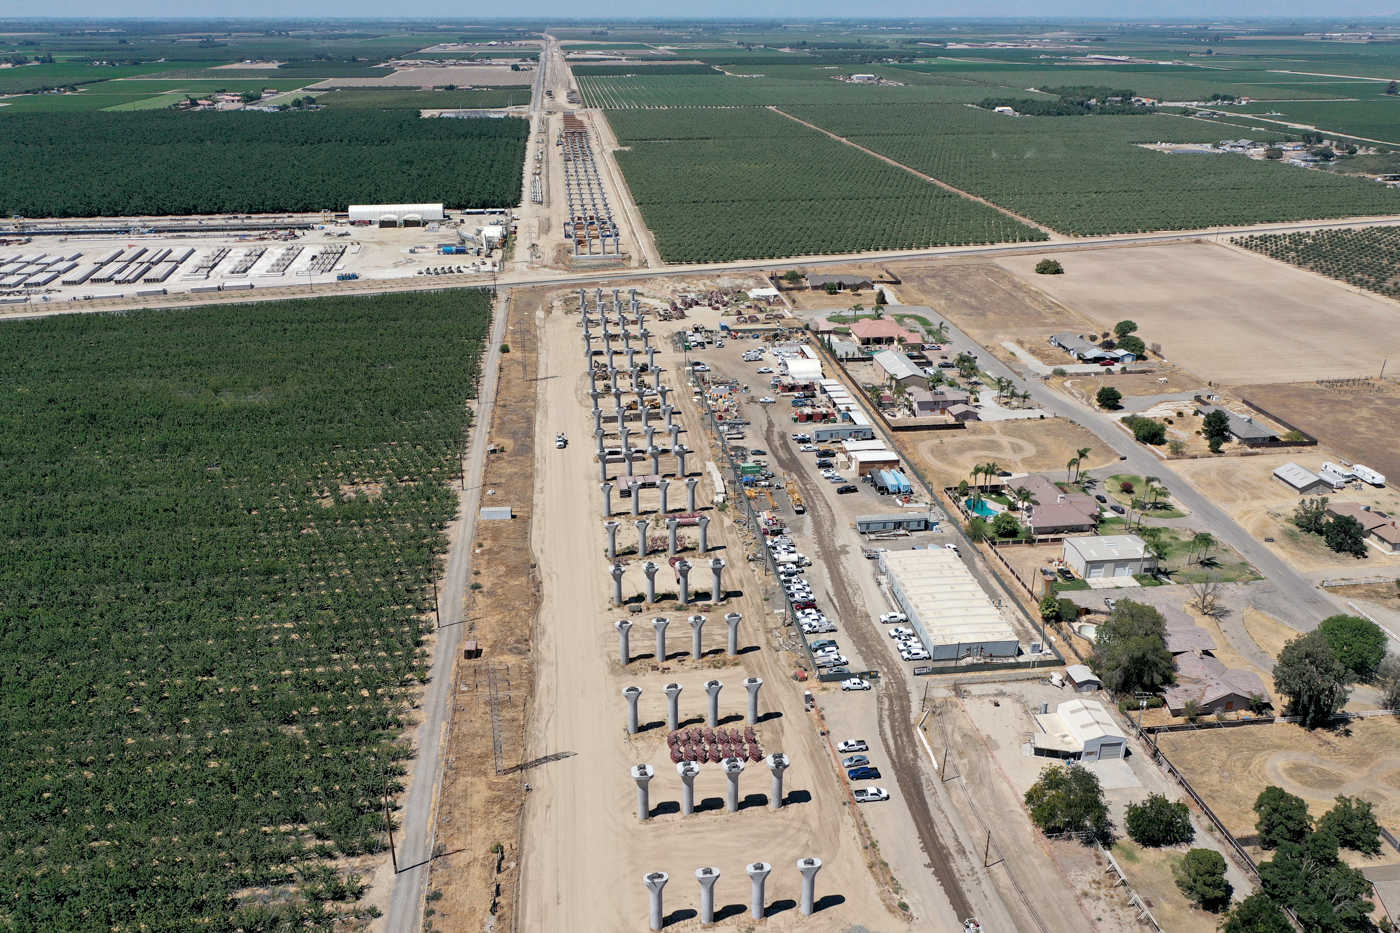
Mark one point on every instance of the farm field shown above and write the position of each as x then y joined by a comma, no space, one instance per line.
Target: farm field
72,74
1345,419
751,184
1179,291
1089,175
1365,257
1026,446
644,90
219,551
358,99
1229,767
1375,116
84,165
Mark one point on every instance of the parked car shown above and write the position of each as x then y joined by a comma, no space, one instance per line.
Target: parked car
826,452
852,745
1108,601
870,794
836,478
855,761
901,632
832,660
1103,499
802,438
945,365
889,617
807,448
847,489
766,400
855,683
764,370
1003,473
915,654
1119,509
824,464
1065,573
821,643
864,773
953,548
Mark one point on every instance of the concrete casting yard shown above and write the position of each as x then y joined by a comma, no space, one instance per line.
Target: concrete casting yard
1228,316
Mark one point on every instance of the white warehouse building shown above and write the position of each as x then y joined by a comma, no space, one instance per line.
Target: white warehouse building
946,606
396,215
1095,557
1080,729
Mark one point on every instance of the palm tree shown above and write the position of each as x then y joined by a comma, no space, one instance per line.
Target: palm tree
1023,497
935,380
1071,466
1079,456
991,469
1203,540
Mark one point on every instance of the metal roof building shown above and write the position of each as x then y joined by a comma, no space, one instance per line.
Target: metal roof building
396,215
1304,482
946,606
899,367
1079,729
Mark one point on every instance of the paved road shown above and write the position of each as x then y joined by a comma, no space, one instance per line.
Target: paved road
1310,605
415,837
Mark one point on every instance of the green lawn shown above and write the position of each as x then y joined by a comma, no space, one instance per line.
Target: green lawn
1110,488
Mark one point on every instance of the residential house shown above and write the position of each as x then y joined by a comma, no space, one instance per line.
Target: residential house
1381,531
1053,511
963,413
1079,348
842,280
926,403
881,332
899,368
1242,429
1214,687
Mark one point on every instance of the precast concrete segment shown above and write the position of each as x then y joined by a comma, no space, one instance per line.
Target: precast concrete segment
809,868
687,770
752,684
660,623
758,874
655,882
777,764
707,878
733,619
713,687
733,767
643,774
673,706
697,623
624,640
632,694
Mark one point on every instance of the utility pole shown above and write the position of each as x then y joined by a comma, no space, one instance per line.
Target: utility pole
437,614
389,822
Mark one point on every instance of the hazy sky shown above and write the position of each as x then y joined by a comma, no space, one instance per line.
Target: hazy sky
1143,10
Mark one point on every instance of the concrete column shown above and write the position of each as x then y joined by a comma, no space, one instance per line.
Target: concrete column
777,764
617,572
607,498
651,351
752,684
668,413
587,351
697,623
632,694
650,430
661,487
655,882
733,619
641,524
717,586
598,432
631,354
655,460
612,372
595,395
646,421
673,707
624,432
688,770
663,390
627,459
758,872
683,575
671,525
675,430
624,640
626,338
660,623
704,523
690,484
733,767
641,394
643,774
707,878
713,687
680,465
602,469
611,528
592,373
809,868
650,568
636,493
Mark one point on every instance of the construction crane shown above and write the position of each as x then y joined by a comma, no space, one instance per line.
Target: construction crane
795,496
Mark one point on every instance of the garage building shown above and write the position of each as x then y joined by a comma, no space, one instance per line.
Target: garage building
1079,729
1098,557
946,606
1304,482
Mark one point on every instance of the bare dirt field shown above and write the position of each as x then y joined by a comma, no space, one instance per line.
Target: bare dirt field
1348,420
1229,767
1265,321
1384,594
991,306
1027,446
1246,489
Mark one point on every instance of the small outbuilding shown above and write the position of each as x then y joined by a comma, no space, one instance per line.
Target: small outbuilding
1082,679
1302,481
1079,729
396,215
1098,557
880,524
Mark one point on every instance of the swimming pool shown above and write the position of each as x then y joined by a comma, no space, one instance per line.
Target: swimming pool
982,508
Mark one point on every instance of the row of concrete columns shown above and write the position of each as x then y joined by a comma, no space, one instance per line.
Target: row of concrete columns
697,623
758,878
673,696
689,770
650,569
663,490
629,465
672,527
